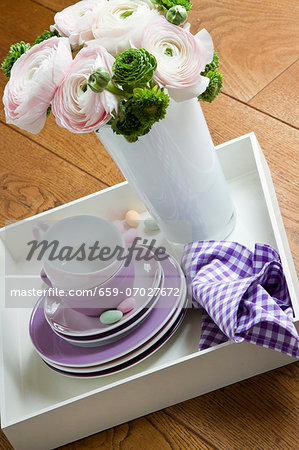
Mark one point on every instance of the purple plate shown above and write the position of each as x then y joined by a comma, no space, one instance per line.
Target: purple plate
55,349
128,364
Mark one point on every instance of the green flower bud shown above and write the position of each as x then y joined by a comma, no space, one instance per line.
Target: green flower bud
99,79
149,106
127,124
214,87
177,15
136,115
133,68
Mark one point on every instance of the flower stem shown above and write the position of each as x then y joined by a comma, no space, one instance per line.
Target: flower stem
115,90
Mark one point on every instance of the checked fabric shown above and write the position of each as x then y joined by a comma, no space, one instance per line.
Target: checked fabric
243,294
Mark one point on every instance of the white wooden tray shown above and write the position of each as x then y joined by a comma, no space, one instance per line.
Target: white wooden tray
41,409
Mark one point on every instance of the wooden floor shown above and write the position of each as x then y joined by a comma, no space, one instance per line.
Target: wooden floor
258,44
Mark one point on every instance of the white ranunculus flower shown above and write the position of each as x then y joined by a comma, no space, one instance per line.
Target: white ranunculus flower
75,21
118,22
180,55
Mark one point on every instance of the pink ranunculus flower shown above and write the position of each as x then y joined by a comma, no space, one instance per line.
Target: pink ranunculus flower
181,57
33,81
75,21
76,108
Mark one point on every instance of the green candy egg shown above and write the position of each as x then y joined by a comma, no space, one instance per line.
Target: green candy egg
110,316
151,224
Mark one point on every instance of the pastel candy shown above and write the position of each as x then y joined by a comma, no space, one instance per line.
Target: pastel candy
127,305
110,316
118,224
151,224
132,218
130,235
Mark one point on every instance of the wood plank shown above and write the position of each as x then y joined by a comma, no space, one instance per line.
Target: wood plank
256,40
228,119
55,5
21,20
33,180
281,97
259,413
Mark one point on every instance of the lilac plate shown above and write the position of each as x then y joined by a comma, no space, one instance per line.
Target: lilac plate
69,322
128,364
55,349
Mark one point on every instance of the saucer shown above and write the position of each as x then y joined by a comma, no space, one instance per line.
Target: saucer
53,348
67,321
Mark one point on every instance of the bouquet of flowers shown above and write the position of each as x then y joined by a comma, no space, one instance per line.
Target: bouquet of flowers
114,62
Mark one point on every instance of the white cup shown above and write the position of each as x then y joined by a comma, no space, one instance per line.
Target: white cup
74,232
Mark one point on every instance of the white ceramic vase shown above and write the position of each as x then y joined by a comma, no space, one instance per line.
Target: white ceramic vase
175,171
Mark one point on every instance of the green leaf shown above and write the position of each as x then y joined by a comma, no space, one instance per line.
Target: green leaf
15,51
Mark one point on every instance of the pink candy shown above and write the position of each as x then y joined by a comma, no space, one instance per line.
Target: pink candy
127,305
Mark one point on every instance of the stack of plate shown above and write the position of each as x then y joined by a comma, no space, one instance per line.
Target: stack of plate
78,345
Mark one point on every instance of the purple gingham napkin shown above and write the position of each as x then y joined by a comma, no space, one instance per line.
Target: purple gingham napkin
244,295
